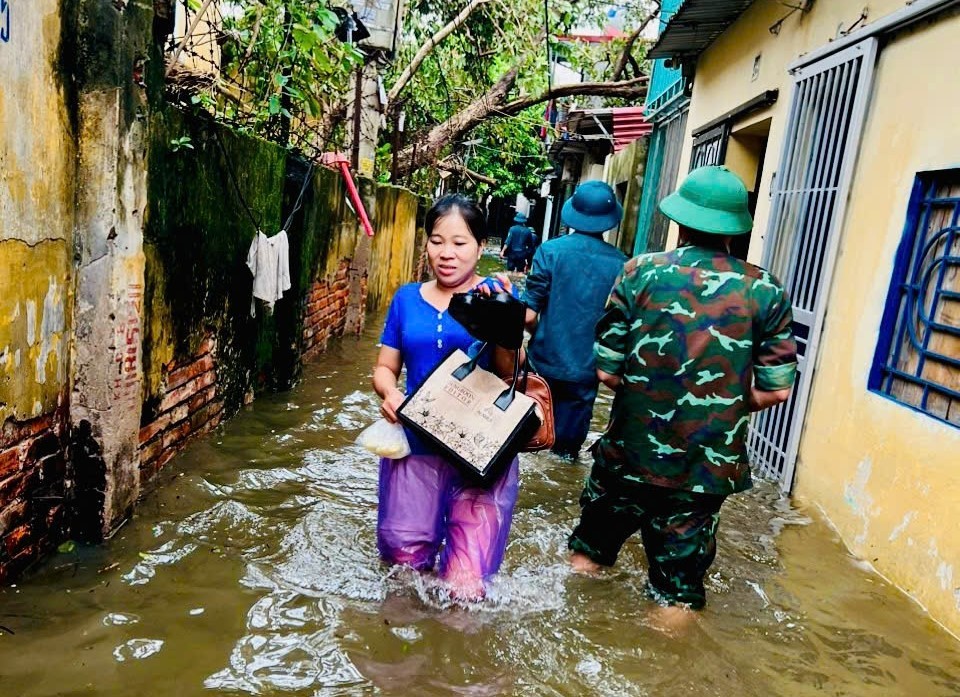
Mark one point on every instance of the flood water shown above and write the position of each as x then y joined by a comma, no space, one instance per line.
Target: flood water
253,570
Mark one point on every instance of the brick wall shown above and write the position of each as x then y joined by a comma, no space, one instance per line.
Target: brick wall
325,310
188,408
33,491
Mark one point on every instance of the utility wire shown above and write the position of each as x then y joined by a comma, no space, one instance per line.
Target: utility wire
236,186
303,189
546,39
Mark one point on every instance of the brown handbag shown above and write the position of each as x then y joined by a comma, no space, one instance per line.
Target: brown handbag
538,390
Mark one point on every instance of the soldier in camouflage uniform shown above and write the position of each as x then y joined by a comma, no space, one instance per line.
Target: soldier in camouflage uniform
692,341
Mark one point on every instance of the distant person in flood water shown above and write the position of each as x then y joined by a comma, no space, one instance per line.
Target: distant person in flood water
428,513
519,244
567,287
692,341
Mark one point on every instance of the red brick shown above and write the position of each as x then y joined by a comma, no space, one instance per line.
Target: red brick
208,345
14,486
201,398
13,515
188,372
175,435
16,539
187,390
15,431
198,419
179,413
11,460
211,424
150,430
55,517
150,451
12,568
164,458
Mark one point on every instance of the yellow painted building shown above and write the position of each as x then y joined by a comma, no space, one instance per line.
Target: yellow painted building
36,216
842,120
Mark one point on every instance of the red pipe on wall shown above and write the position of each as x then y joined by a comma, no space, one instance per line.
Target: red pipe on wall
340,161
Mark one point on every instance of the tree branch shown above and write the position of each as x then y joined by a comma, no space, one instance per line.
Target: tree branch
628,89
186,37
426,148
429,45
458,168
625,55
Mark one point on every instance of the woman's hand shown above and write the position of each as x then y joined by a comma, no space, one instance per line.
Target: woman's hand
392,402
500,282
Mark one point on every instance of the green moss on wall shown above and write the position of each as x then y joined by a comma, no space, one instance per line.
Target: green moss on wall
198,232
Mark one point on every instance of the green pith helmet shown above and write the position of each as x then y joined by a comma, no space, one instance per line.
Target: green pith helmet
711,199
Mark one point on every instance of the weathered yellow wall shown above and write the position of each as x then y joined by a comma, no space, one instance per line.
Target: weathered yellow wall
889,477
394,242
886,476
36,214
627,166
724,78
34,352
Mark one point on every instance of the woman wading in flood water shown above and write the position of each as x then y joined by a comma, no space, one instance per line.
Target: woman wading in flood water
428,509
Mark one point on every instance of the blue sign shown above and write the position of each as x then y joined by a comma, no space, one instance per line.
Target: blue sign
4,21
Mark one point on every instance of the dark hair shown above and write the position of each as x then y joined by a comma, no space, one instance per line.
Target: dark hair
466,207
707,240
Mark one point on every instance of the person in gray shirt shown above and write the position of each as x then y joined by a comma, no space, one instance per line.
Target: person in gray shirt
567,289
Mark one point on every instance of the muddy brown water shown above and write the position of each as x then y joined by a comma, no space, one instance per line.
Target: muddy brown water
253,570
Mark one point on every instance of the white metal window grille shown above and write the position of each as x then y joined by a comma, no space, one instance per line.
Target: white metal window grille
917,362
827,110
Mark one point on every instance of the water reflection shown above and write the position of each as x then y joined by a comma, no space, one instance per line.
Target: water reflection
255,572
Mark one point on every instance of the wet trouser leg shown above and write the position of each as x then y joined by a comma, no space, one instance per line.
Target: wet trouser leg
678,529
478,524
426,503
572,411
410,516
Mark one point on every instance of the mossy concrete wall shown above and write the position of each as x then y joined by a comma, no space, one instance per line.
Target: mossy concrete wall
206,202
37,192
125,323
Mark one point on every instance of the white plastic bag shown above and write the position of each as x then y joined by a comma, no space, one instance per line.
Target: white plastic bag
385,439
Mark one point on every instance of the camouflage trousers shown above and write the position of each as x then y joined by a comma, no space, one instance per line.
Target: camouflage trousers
678,529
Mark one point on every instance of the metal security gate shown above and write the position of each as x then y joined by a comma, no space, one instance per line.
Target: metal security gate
827,111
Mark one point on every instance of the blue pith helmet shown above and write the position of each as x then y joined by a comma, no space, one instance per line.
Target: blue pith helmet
592,208
520,218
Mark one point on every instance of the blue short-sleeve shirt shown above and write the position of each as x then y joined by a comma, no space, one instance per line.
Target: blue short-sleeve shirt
424,336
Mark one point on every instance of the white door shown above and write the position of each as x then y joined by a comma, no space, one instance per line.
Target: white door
827,109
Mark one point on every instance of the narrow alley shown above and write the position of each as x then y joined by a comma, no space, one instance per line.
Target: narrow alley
252,569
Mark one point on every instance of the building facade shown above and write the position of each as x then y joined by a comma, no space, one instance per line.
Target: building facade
842,122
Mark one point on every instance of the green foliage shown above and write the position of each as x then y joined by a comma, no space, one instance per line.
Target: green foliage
286,76
178,144
282,67
510,151
496,37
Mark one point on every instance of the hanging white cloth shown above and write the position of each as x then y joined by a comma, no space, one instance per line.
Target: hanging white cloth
269,262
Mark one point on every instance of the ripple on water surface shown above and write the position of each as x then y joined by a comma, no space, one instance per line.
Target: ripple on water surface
256,573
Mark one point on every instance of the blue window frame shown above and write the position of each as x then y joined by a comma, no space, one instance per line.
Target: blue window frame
917,361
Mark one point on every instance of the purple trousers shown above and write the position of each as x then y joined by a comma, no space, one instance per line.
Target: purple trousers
428,508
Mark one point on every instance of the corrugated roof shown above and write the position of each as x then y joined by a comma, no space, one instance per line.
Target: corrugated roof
592,129
629,124
696,25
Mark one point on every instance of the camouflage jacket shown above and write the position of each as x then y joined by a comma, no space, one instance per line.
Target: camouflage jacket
687,331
